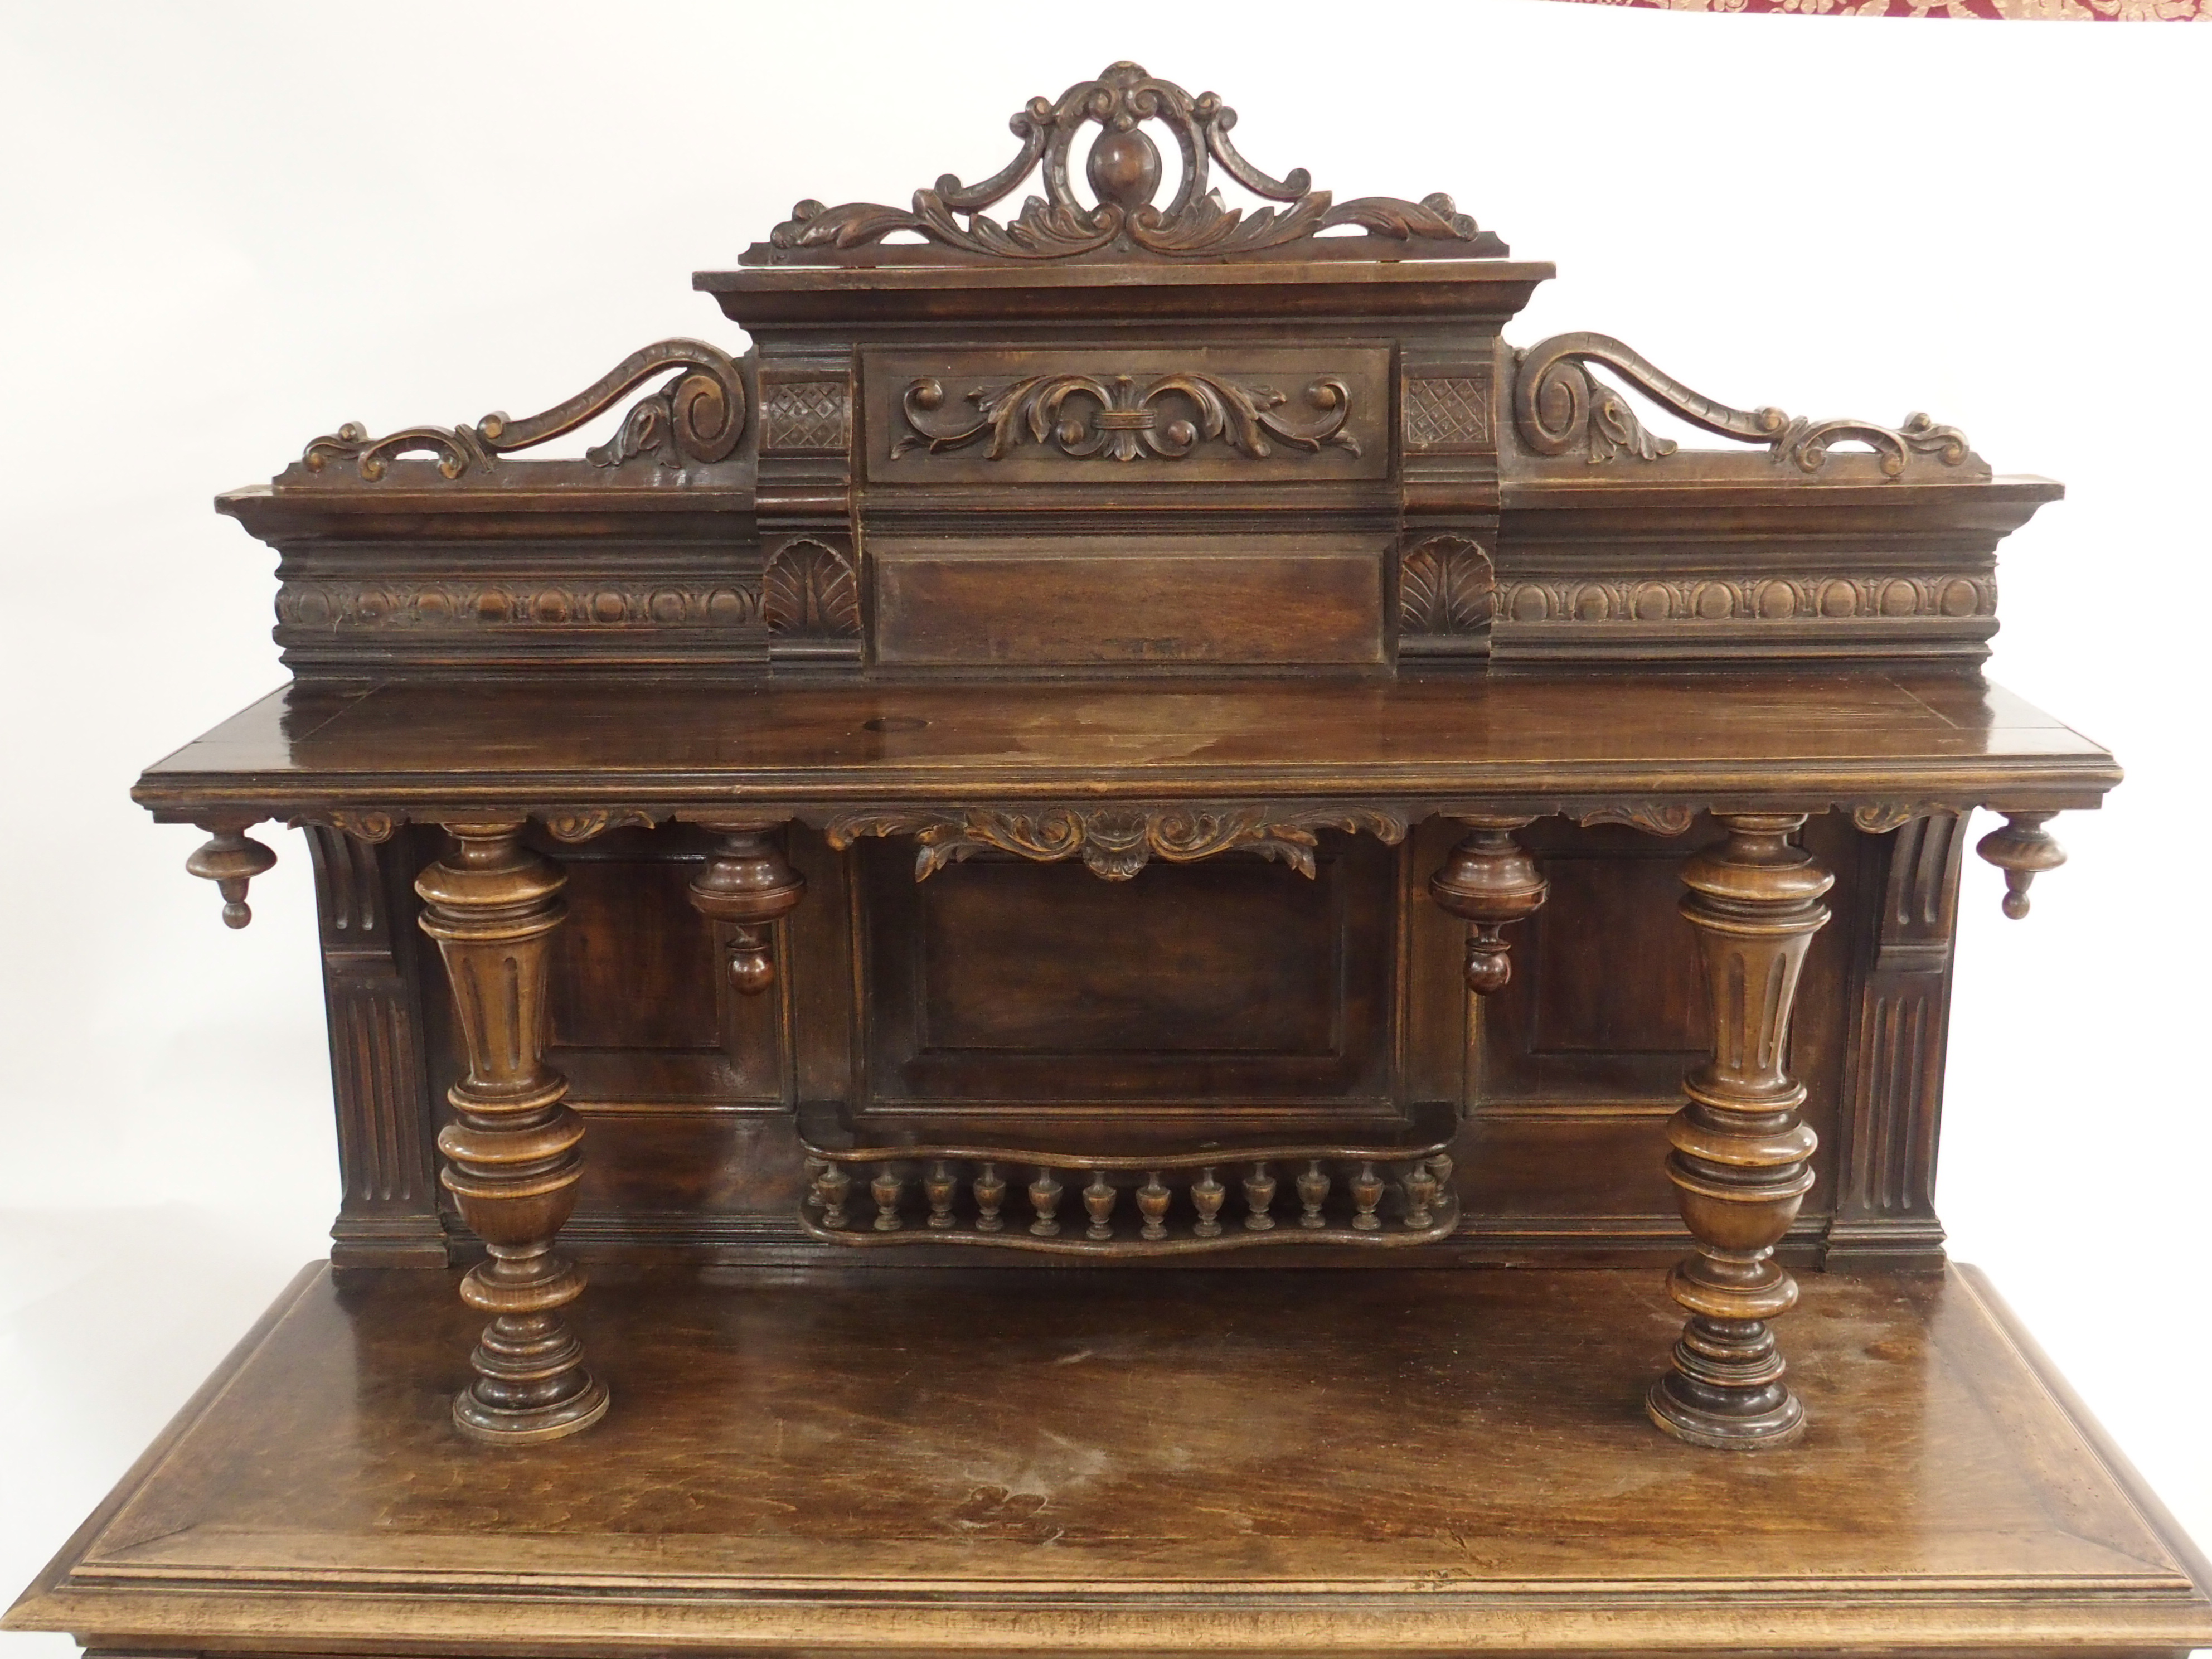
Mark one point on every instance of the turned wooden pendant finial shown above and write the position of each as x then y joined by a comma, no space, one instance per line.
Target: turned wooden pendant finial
749,884
2023,849
1488,881
230,859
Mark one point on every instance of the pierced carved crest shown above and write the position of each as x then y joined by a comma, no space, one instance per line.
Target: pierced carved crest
1559,406
697,417
1125,172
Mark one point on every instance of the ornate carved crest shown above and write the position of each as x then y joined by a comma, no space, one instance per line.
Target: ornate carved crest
1124,171
1164,417
1114,842
697,416
1558,406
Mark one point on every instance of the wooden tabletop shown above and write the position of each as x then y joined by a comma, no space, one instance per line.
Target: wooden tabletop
1813,740
1001,1461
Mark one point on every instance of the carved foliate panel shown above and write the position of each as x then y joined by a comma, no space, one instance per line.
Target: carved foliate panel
1447,593
810,591
1198,415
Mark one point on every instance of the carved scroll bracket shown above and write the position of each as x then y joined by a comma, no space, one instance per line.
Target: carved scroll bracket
1558,407
1114,842
696,418
1125,173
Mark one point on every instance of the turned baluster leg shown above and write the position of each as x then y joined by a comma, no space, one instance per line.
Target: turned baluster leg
747,883
1489,882
1742,1161
2023,849
512,1157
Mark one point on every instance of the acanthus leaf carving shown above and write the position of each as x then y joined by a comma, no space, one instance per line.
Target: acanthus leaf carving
696,418
372,825
1114,842
1129,420
1446,585
1125,172
587,823
809,588
1558,405
1881,817
1666,819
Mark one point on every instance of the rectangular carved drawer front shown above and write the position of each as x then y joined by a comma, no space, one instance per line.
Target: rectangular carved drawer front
1076,599
1180,415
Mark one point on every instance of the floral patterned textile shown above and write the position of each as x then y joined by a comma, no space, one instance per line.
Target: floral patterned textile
2088,11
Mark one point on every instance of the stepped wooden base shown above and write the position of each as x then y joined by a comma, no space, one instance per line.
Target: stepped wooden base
1009,1460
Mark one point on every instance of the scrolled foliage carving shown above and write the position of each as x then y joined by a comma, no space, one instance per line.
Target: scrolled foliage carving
1114,842
1560,406
1665,820
578,824
696,418
1085,416
1125,172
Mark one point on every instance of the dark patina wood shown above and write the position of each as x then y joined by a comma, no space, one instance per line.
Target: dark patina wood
1134,738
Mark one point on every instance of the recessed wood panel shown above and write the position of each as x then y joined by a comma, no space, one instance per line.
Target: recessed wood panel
1234,980
1076,600
1624,910
634,968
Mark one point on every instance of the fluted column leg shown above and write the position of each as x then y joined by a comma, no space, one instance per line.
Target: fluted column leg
1742,1161
513,1156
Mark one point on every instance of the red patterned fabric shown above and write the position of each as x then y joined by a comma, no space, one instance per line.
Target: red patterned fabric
2086,11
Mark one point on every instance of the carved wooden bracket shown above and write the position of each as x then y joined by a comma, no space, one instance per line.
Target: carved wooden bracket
1124,174
1114,842
1166,416
2023,849
697,416
1558,406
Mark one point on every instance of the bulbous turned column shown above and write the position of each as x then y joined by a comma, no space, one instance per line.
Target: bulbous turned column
1489,882
513,1156
1742,1161
747,883
2023,849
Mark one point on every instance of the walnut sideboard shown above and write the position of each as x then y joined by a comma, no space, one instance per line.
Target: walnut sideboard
1127,889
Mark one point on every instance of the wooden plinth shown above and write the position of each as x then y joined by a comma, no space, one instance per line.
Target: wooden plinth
918,1461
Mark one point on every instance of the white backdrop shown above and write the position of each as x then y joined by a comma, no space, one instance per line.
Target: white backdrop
227,229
